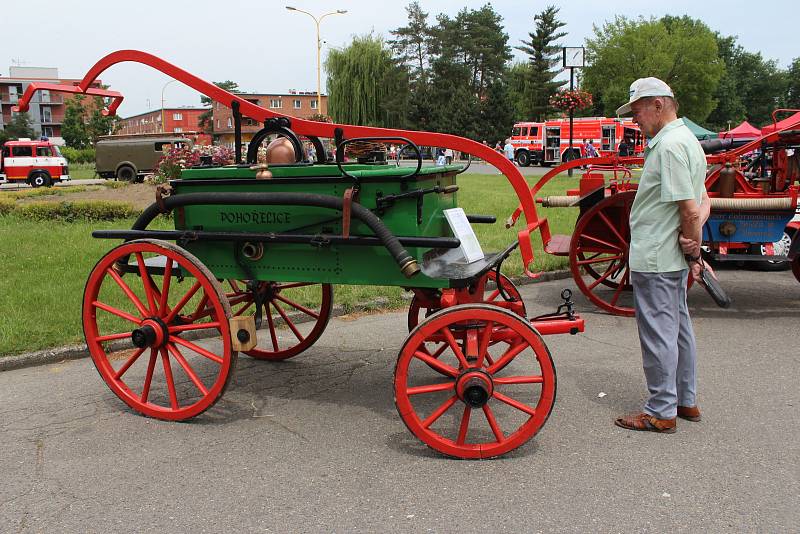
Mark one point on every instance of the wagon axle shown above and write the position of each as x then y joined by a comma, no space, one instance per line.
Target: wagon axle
474,387
153,333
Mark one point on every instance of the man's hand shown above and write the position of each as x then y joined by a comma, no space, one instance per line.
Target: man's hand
697,267
689,246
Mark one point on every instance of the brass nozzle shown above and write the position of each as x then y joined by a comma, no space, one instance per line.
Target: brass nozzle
262,171
410,268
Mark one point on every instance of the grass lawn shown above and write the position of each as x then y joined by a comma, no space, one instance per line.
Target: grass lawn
82,171
44,265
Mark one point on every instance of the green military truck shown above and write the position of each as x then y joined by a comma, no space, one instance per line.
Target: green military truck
130,158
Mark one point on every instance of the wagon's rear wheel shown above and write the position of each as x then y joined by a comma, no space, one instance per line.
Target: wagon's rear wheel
491,295
498,388
294,315
598,254
141,322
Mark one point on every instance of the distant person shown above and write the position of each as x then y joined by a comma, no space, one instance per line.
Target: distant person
448,155
625,147
589,150
498,147
441,161
509,150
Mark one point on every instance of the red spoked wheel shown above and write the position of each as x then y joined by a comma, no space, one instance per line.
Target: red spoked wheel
294,315
498,388
144,304
491,295
598,254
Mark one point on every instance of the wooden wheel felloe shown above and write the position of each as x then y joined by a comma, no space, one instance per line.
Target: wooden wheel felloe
598,254
491,295
498,388
294,314
142,304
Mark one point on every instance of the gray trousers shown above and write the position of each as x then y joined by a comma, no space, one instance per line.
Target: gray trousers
669,354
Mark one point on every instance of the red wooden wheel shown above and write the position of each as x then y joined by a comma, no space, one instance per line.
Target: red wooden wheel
294,315
498,388
599,251
491,295
138,321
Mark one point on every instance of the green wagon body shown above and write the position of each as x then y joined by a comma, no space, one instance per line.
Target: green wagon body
302,262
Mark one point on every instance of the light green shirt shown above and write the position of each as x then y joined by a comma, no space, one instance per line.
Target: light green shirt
674,169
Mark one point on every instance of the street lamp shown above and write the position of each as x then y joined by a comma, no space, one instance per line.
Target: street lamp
319,48
162,103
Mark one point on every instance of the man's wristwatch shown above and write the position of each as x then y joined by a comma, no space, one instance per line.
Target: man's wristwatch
692,258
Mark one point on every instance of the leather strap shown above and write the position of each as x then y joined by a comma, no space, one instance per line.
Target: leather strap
349,194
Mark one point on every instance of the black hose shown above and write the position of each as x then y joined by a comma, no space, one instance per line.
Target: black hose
408,265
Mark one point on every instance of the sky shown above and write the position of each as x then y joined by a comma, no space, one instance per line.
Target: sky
267,49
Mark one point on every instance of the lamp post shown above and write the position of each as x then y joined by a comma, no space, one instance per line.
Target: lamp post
574,58
162,103
317,21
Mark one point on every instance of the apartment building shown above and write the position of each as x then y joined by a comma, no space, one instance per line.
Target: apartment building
167,120
300,104
47,110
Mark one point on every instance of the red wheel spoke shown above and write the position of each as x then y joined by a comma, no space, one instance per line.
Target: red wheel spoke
498,434
506,358
128,363
111,337
178,307
202,306
515,403
462,429
148,379
608,272
297,306
196,348
289,323
173,395
483,348
294,284
519,380
436,364
600,241
617,293
146,282
431,388
195,326
601,260
118,313
493,295
127,290
234,285
162,304
244,309
622,240
272,334
432,418
235,299
448,336
187,368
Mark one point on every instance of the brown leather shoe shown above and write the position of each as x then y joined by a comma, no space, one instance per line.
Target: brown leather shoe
647,423
690,413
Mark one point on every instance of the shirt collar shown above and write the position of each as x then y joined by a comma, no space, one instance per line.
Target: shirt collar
670,126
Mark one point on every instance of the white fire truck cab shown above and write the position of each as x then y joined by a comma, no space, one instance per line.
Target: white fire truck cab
38,163
547,143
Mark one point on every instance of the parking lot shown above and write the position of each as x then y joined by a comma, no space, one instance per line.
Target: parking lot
314,444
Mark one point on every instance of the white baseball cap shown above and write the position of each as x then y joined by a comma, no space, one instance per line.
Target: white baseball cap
644,87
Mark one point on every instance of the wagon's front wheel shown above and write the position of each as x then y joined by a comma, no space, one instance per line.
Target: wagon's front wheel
141,321
294,314
498,388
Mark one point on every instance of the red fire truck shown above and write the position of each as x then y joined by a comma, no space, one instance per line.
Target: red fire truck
547,143
38,163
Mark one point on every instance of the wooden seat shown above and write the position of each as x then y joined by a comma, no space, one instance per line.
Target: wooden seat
558,245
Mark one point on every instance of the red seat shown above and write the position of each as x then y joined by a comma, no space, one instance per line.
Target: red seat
558,245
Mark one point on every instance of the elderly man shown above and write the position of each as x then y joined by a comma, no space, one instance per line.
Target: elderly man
666,222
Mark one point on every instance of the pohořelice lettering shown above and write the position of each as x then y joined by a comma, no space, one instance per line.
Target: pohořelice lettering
256,217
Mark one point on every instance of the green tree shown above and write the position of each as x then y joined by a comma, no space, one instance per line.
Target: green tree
793,85
537,78
496,113
364,83
205,120
411,49
19,126
679,50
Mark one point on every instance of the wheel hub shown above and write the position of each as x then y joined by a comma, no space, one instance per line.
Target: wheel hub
474,387
151,333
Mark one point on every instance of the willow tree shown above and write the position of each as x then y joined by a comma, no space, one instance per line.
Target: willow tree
365,85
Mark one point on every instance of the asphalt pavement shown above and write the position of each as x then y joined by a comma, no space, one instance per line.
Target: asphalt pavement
314,444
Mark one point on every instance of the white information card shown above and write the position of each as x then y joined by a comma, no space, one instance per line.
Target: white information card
470,247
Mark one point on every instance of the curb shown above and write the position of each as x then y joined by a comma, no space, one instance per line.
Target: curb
76,352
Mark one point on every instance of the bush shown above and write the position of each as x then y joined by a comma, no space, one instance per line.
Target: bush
6,206
75,155
76,211
170,165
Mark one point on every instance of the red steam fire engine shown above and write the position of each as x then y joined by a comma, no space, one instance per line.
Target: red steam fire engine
547,143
